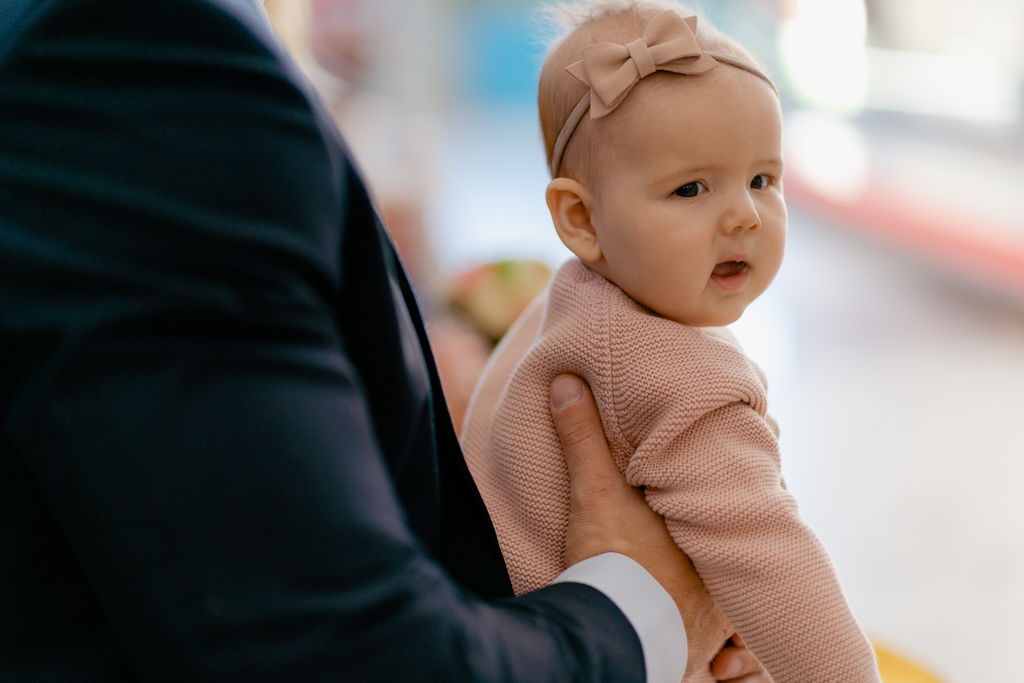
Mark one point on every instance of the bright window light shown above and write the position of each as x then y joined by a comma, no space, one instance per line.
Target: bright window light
829,153
822,49
970,88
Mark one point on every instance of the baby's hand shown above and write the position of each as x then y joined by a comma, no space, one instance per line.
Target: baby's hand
736,664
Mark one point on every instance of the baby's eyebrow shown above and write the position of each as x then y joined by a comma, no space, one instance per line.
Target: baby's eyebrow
682,172
678,173
772,161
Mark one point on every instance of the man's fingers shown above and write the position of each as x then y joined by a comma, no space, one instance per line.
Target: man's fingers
578,424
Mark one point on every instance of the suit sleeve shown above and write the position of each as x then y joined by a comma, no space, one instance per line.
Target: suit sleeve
718,485
189,413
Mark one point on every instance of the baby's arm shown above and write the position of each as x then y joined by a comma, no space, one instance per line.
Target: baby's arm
718,485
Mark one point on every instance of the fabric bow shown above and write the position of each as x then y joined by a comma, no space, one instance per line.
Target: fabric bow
611,70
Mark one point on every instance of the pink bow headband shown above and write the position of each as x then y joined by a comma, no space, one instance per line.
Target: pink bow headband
669,43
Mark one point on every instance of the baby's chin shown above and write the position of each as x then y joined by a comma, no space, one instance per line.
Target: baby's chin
709,319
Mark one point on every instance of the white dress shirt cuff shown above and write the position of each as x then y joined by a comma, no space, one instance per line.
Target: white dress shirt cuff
647,606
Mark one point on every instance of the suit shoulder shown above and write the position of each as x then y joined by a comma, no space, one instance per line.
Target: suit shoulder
160,24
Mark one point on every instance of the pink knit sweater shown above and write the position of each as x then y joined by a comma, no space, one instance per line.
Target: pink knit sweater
685,417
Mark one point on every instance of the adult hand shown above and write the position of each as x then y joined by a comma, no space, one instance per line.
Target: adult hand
736,664
608,515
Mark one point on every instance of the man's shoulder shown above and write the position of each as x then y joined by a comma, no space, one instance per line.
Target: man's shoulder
154,21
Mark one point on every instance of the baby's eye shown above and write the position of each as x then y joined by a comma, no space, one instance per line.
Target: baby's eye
691,189
760,181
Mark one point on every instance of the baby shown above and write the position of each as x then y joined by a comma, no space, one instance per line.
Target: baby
665,148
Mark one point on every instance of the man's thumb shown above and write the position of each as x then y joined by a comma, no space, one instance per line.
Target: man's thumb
578,424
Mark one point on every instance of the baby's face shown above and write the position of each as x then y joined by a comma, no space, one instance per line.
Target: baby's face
688,206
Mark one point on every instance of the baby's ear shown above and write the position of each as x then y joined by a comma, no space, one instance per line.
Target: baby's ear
570,206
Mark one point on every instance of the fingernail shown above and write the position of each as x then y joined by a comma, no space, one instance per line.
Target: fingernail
735,668
565,391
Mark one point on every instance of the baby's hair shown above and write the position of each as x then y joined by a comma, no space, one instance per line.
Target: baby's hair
578,25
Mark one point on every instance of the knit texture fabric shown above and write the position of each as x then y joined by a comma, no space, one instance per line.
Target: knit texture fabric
684,412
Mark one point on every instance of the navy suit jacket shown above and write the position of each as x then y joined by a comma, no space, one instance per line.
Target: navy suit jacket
224,452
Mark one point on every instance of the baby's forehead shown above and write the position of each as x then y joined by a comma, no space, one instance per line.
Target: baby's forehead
711,115
669,100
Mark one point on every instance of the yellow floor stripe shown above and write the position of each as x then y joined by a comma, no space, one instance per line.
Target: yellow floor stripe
896,669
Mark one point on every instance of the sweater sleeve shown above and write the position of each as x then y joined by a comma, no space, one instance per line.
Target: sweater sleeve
717,482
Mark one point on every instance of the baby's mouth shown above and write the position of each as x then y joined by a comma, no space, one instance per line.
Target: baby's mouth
727,269
730,275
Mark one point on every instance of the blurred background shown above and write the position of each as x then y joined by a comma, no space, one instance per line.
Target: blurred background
893,337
